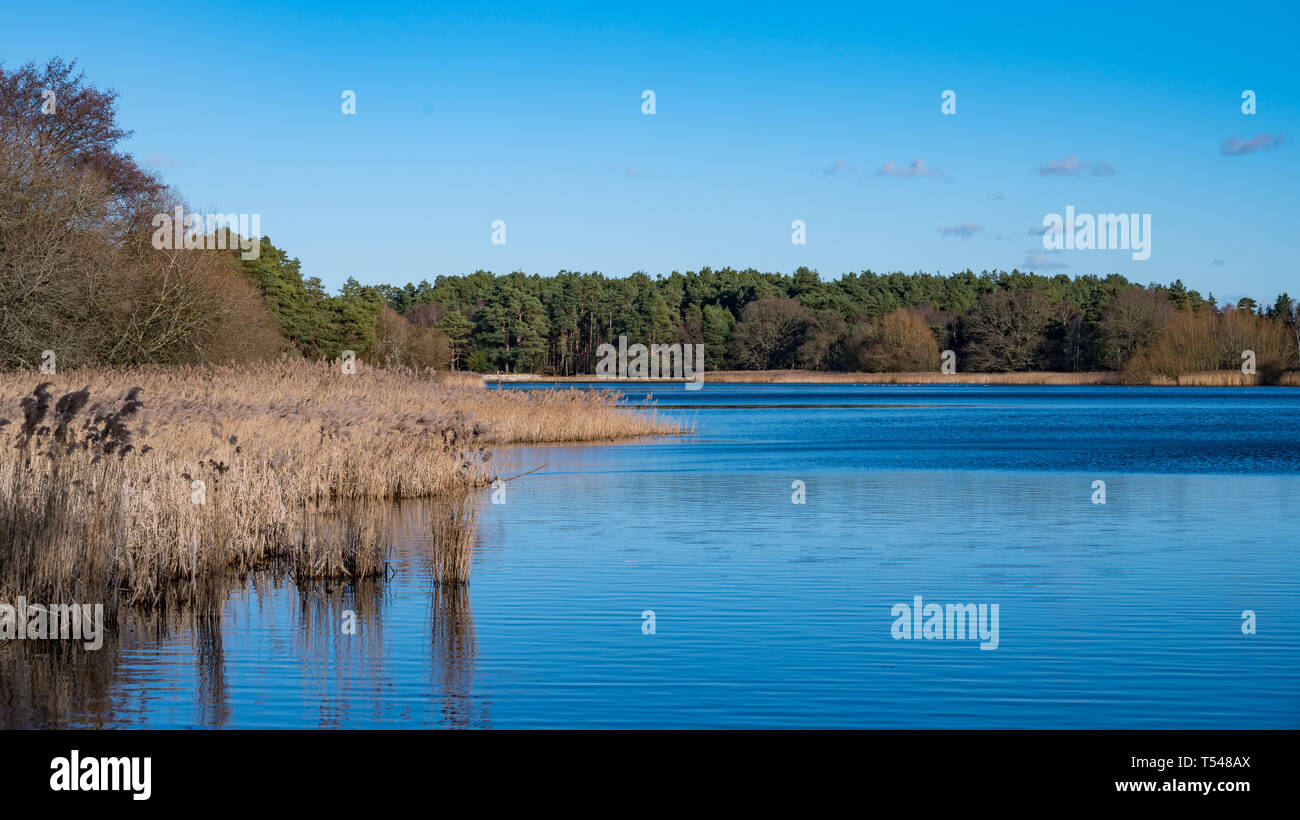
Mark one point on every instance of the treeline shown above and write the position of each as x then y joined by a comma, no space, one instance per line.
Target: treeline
321,326
81,279
80,276
747,320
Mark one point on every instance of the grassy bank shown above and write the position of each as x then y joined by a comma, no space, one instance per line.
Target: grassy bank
136,485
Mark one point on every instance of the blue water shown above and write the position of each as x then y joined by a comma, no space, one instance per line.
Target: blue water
769,613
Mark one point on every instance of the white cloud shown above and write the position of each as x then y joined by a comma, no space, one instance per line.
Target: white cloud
1072,166
916,168
1037,260
964,231
1235,146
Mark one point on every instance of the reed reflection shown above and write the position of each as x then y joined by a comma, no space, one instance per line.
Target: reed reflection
340,631
56,684
453,645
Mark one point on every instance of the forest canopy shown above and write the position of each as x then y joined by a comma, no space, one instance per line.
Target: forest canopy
80,277
995,321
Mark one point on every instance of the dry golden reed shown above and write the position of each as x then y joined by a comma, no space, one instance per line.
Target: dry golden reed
215,470
817,376
1210,378
450,554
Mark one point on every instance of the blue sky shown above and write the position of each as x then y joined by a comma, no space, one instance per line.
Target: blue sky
765,114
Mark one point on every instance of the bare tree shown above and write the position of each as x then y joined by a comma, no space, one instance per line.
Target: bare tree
769,334
898,342
78,274
1134,319
1007,331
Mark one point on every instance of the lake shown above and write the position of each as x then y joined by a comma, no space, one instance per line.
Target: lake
772,613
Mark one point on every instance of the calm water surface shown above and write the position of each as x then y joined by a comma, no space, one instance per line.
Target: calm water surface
775,614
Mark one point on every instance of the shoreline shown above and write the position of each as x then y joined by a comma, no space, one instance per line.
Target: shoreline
1211,378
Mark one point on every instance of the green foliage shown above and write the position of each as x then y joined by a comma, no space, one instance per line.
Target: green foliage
717,323
459,332
749,319
318,325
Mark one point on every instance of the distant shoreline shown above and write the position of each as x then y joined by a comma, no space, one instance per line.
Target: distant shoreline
1212,378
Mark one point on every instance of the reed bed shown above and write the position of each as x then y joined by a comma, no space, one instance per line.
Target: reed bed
827,377
135,486
458,378
1209,378
556,415
451,549
1227,378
